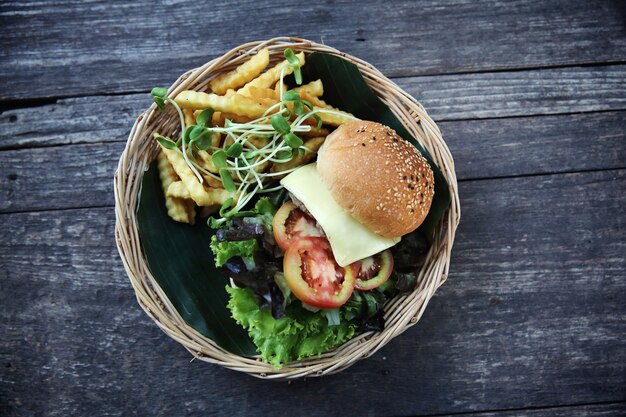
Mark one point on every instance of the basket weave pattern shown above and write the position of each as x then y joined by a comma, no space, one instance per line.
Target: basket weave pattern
400,313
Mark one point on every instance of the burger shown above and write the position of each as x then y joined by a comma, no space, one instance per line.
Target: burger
324,267
368,188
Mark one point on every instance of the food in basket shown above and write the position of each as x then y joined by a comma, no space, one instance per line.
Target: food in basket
309,246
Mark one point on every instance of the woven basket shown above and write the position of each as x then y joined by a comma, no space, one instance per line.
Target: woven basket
400,313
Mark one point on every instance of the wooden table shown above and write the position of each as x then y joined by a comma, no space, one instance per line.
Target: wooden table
530,97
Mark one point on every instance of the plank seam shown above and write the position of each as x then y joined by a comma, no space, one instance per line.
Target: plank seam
442,121
541,174
531,408
43,210
527,116
589,64
13,103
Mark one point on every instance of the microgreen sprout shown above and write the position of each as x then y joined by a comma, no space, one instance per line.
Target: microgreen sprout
240,161
294,63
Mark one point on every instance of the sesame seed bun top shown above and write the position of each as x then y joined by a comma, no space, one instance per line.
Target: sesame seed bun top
382,180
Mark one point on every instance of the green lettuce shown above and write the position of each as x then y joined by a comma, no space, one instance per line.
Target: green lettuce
223,251
297,335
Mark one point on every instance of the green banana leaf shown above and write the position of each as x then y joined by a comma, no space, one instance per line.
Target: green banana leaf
178,255
180,260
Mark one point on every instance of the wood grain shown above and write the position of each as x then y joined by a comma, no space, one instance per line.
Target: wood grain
596,410
55,177
58,177
515,93
536,145
471,96
532,315
70,121
76,48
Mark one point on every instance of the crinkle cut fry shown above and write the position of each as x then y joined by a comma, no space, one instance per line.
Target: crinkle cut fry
201,195
179,209
269,77
312,89
312,145
190,117
236,103
244,73
258,92
177,189
327,118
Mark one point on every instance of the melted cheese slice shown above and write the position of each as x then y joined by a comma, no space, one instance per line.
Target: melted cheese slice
349,239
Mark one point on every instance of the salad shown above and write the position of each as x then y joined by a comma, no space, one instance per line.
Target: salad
315,212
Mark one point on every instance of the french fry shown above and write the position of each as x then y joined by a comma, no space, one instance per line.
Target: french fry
177,189
244,73
312,89
212,182
310,121
221,117
236,103
255,141
190,117
258,142
265,101
277,88
257,92
179,209
204,159
312,145
269,77
335,119
216,138
314,132
252,140
263,167
203,196
327,118
219,196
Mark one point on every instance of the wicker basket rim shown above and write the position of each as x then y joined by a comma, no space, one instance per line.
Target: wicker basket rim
400,314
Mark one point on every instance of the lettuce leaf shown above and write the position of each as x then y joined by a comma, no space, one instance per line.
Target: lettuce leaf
265,206
297,335
223,251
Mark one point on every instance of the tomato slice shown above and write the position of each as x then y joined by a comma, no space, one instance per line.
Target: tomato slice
291,223
373,271
314,276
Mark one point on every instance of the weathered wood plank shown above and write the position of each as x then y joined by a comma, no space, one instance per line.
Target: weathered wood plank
76,48
536,145
58,177
470,96
520,93
599,410
532,315
81,175
69,121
